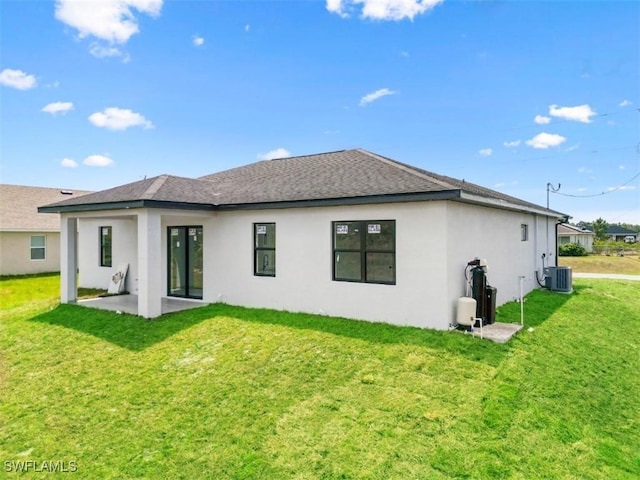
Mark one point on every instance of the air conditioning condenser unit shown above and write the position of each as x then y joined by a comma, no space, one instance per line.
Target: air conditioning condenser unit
558,279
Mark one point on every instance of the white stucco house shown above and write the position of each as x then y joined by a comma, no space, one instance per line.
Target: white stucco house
348,233
29,241
571,234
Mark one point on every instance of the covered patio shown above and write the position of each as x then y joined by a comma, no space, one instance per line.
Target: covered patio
129,304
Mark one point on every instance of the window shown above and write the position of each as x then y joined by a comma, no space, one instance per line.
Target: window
38,247
106,238
264,252
524,232
365,251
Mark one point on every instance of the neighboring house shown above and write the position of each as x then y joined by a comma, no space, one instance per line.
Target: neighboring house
346,233
620,234
29,241
572,234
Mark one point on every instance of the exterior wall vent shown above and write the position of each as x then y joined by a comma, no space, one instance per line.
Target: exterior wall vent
558,279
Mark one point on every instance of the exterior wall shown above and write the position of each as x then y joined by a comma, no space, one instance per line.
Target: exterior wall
434,242
585,240
304,260
15,253
124,250
494,235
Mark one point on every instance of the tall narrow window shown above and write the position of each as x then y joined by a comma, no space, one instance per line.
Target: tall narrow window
106,238
38,247
365,251
524,232
264,252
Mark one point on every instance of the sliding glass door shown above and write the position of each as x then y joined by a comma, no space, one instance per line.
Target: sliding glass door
185,261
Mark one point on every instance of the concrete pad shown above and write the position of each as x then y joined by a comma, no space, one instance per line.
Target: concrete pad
500,332
129,304
497,332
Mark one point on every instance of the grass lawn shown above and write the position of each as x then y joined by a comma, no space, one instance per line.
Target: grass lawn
227,392
602,264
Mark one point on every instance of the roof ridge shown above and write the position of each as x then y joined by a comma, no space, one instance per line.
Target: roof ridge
155,186
302,156
418,173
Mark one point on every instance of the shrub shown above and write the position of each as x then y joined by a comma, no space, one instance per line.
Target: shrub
571,250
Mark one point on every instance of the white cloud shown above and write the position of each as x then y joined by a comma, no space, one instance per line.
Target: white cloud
109,20
499,184
542,120
247,27
485,152
382,9
585,170
512,144
68,163
621,167
572,148
580,113
101,51
98,161
372,97
198,41
545,140
404,54
625,103
119,119
57,107
273,154
17,79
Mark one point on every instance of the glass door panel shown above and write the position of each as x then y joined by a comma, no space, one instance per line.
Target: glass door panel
177,262
195,262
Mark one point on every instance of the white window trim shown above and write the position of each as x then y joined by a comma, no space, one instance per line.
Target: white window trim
44,247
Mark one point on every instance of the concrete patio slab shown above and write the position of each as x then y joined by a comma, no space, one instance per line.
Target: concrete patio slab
497,332
129,304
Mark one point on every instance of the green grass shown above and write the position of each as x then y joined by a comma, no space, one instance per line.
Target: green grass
228,392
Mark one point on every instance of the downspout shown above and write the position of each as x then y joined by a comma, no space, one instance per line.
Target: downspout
559,222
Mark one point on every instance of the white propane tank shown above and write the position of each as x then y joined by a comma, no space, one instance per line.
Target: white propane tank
466,314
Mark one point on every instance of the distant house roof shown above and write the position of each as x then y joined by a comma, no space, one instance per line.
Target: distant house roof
347,176
618,230
19,207
567,229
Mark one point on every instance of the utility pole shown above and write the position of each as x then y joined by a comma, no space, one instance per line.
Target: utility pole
550,187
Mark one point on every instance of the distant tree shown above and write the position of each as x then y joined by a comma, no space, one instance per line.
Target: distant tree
585,226
600,228
631,226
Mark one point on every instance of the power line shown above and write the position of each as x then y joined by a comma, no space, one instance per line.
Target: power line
601,193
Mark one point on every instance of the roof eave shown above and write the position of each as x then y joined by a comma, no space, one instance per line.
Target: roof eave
360,200
467,197
125,205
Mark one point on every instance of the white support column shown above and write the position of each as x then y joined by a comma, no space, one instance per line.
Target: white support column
68,262
150,264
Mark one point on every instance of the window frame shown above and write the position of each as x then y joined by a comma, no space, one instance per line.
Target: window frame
524,232
104,246
363,251
43,248
257,249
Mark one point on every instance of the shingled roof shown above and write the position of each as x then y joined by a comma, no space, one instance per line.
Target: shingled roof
19,207
347,176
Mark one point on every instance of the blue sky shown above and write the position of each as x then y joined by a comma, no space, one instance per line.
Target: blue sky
508,94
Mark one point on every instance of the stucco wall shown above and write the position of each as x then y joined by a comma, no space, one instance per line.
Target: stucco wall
495,235
15,253
434,242
124,250
304,259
